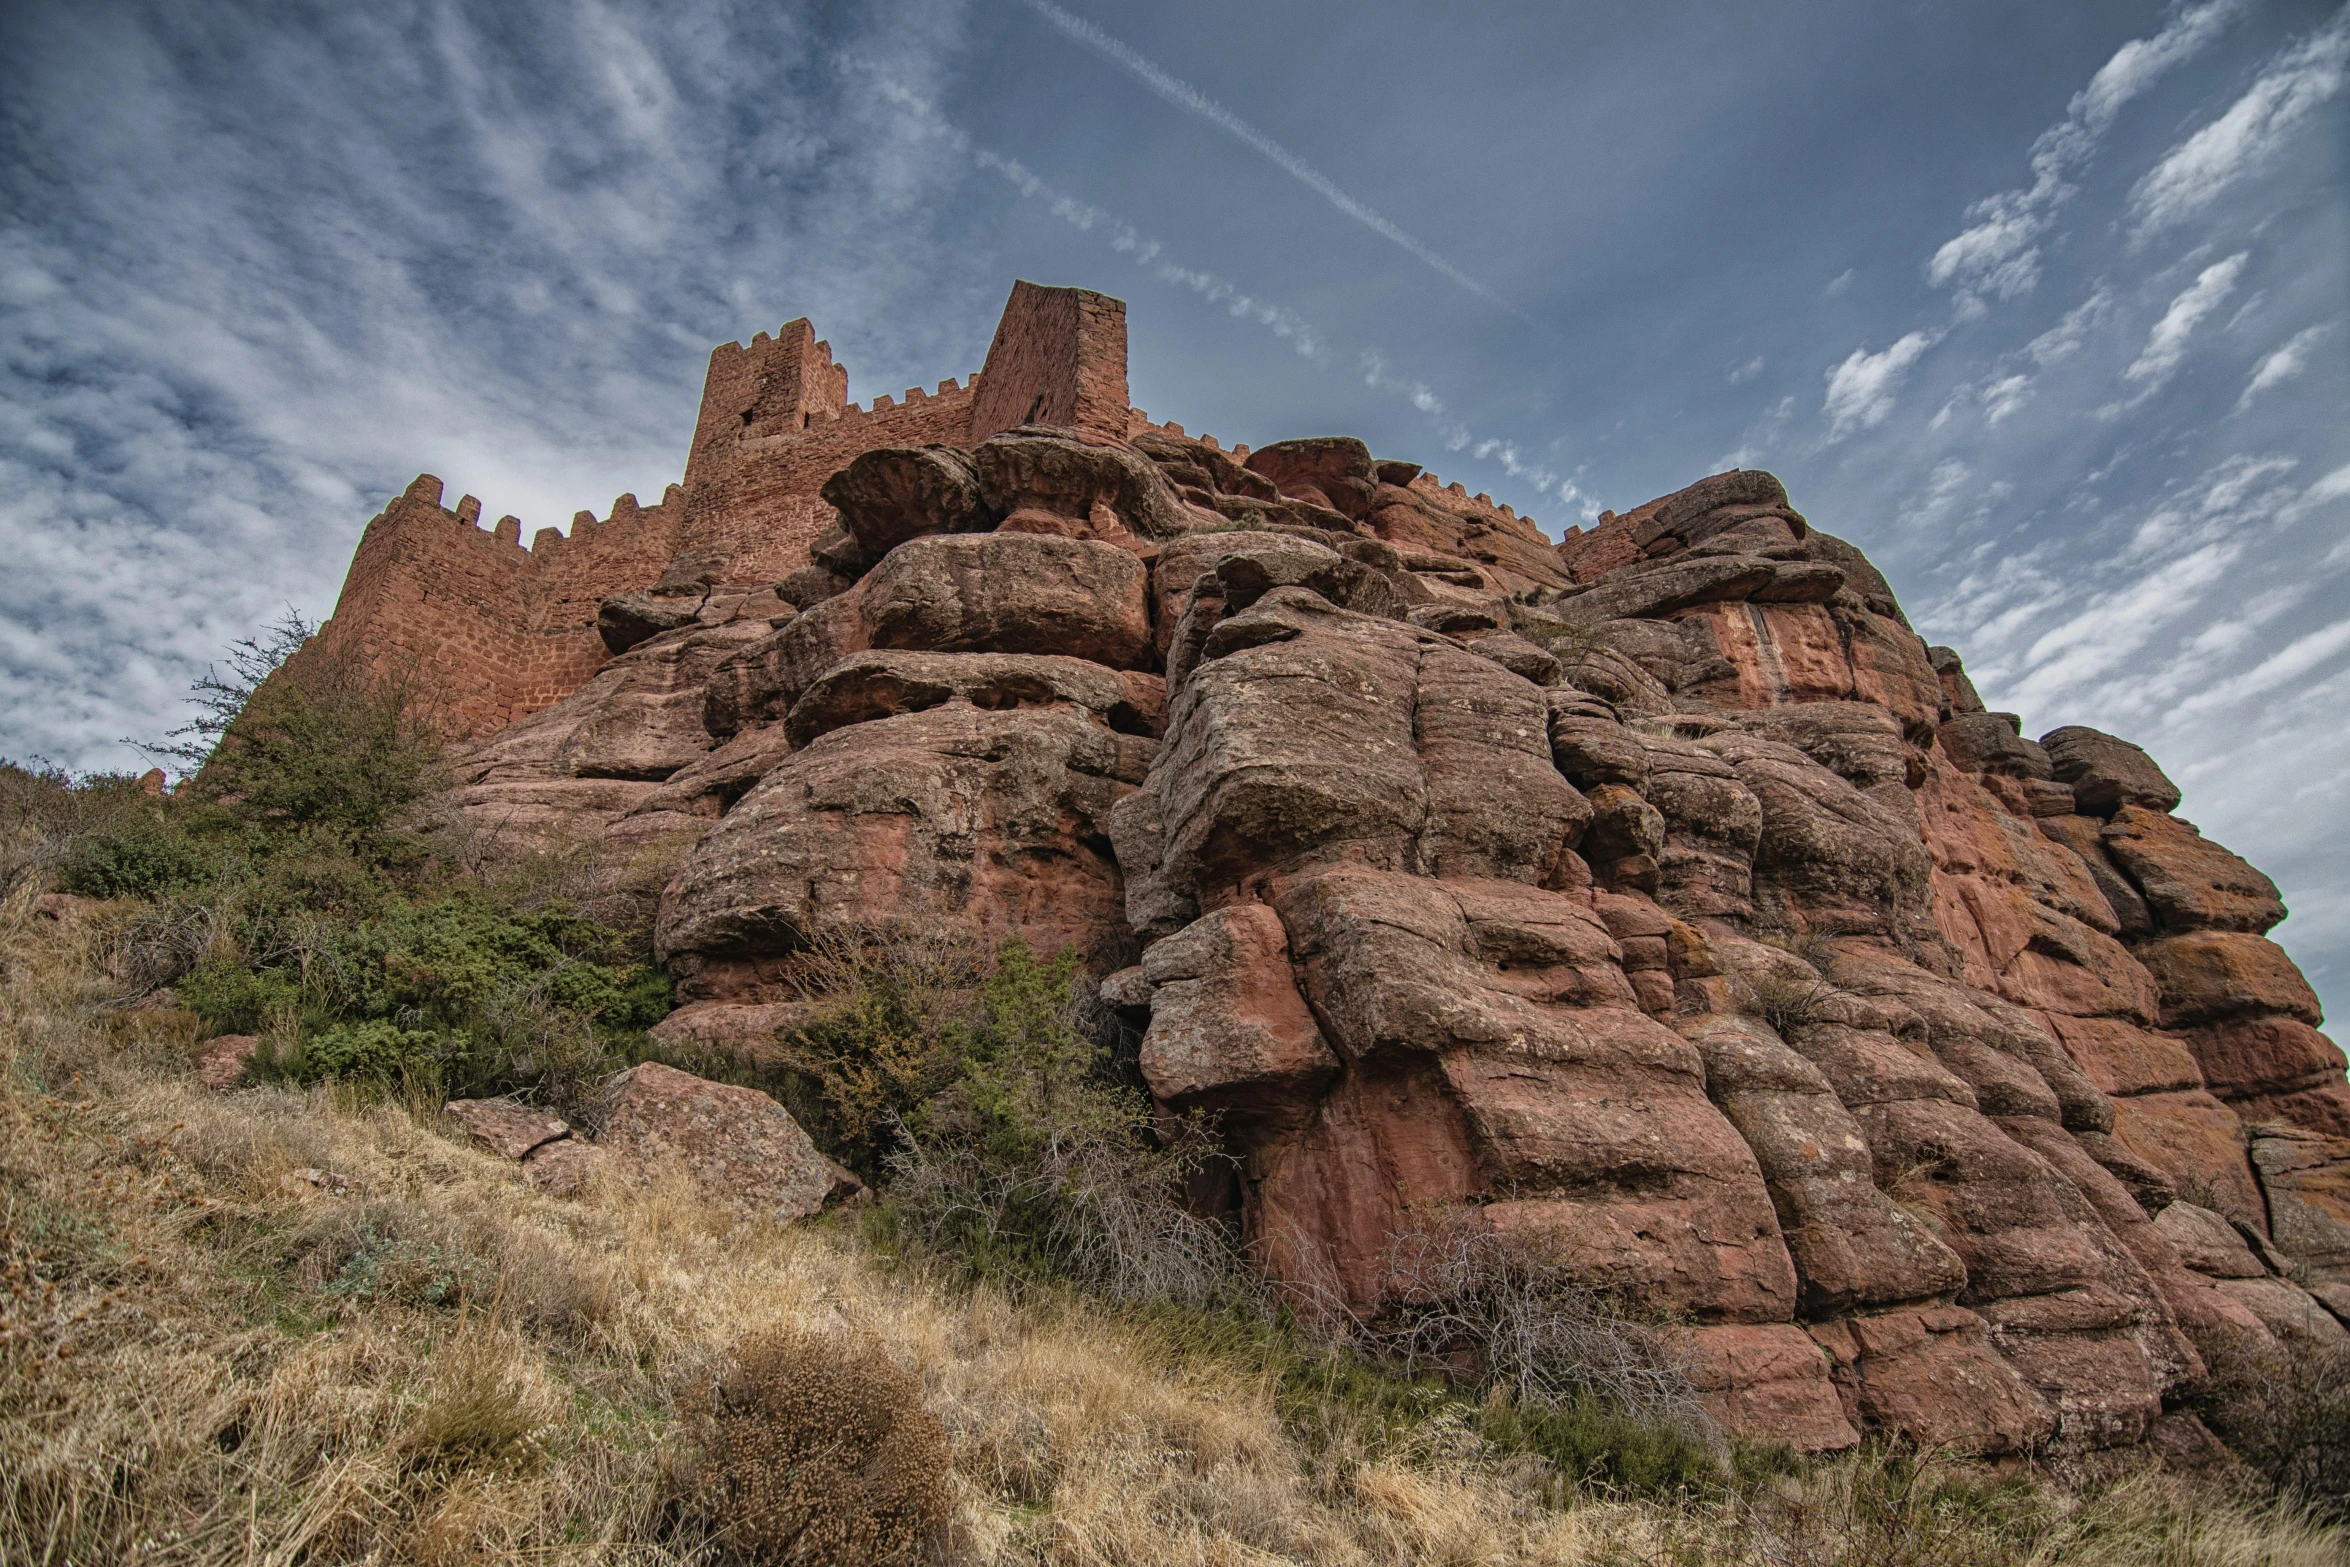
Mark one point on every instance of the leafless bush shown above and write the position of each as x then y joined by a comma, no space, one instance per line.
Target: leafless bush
2285,1411
157,943
1518,1318
816,1448
1102,1204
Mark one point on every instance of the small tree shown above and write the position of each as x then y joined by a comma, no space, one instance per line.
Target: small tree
294,738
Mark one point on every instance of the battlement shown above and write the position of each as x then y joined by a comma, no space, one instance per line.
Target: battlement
1480,507
506,629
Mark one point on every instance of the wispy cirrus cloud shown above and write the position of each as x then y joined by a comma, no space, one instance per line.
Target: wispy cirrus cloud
1861,390
2166,344
2246,138
2284,364
1998,253
1190,99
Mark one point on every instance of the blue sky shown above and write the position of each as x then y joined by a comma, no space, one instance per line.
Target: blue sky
2047,307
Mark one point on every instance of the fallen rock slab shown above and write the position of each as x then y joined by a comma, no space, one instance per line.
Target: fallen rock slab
503,1127
565,1168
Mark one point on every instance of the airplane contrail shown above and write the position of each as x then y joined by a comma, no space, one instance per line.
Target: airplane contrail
1185,96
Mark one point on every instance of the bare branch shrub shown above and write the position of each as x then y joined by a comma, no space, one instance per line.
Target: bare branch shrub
1519,1319
2286,1412
815,1448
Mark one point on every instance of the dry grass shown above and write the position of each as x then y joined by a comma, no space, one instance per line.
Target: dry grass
279,1327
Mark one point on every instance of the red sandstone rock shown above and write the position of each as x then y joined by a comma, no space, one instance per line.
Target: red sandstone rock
2189,884
1852,1245
225,1057
2198,1142
893,494
2259,1056
2306,1178
1228,1028
2211,975
736,1144
882,683
1933,1376
993,821
748,1032
2106,773
1359,871
1077,482
1332,471
503,1127
566,1168
1768,1383
1008,593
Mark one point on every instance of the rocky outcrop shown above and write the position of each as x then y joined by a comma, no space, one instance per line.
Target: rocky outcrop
1658,898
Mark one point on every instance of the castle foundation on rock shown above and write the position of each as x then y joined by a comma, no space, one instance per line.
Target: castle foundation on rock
1657,898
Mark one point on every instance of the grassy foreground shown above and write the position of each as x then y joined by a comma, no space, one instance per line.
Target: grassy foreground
294,1325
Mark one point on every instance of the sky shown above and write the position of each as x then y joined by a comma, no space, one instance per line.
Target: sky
2047,307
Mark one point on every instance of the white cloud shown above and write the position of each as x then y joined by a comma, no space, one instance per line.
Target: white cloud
2283,365
2063,340
2198,170
1839,283
1747,371
2004,396
2291,662
1861,389
1998,254
2166,345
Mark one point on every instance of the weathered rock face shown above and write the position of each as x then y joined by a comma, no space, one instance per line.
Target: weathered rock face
1658,897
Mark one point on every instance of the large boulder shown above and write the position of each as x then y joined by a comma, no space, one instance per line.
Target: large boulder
1053,475
1010,593
954,816
1333,471
737,1145
2189,883
2106,773
880,683
893,494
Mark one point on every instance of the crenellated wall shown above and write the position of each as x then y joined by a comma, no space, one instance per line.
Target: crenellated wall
498,632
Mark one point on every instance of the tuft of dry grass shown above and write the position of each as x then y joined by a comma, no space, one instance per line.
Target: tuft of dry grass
283,1326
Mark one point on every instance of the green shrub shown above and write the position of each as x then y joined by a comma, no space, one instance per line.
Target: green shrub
883,1041
148,858
373,1051
1036,1159
294,738
233,998
1599,1445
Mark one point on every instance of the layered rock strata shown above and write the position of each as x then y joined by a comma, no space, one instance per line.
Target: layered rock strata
1658,898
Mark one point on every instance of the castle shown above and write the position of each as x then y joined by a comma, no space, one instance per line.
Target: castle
1656,897
498,631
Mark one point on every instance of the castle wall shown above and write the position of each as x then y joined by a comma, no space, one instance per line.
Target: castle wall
494,631
499,632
